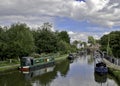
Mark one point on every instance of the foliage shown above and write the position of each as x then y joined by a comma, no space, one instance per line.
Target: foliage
18,40
75,43
63,35
112,43
63,47
91,40
45,41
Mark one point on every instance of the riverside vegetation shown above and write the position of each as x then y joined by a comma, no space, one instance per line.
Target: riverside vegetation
111,44
19,40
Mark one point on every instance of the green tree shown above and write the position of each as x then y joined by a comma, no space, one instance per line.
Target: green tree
63,47
104,42
20,41
111,43
91,40
45,41
47,26
85,44
75,43
3,44
63,35
115,43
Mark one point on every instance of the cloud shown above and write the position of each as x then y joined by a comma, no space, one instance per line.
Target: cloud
78,36
105,33
83,36
71,33
100,12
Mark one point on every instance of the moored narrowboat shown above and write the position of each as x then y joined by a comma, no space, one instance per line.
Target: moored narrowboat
101,68
71,56
30,63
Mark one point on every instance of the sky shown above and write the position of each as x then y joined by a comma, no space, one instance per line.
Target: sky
80,18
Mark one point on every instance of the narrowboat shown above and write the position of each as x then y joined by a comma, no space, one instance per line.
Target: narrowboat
101,68
71,56
30,63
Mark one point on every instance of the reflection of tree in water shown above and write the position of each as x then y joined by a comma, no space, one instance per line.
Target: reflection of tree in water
113,78
63,67
13,79
90,59
100,78
16,78
46,78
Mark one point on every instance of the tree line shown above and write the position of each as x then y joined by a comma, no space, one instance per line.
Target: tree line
19,40
111,43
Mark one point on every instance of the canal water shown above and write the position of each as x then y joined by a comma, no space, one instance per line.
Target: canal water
79,72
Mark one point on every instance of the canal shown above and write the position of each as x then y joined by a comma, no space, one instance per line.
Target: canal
79,72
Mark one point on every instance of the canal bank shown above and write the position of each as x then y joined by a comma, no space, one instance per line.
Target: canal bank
15,66
113,69
115,73
79,72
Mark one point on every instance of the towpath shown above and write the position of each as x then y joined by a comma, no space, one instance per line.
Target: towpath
111,65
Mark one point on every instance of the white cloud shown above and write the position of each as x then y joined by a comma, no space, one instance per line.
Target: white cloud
83,36
96,37
71,33
105,33
78,36
101,12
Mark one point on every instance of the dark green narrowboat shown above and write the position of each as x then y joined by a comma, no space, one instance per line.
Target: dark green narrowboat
30,63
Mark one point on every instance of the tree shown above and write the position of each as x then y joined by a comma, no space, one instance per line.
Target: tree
75,43
111,43
45,41
2,43
85,44
115,43
20,41
63,35
91,40
47,26
63,47
104,42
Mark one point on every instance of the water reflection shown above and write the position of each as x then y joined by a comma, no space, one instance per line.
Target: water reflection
100,78
47,75
78,72
14,78
35,73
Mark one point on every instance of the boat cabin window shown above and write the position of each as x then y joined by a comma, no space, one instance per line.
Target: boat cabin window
70,54
26,61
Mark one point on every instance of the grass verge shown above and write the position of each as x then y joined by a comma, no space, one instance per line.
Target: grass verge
6,65
61,57
115,73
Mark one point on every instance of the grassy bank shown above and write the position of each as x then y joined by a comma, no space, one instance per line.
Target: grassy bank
115,73
61,57
7,65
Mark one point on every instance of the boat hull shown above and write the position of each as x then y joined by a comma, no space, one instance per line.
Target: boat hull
36,67
101,70
70,58
25,68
